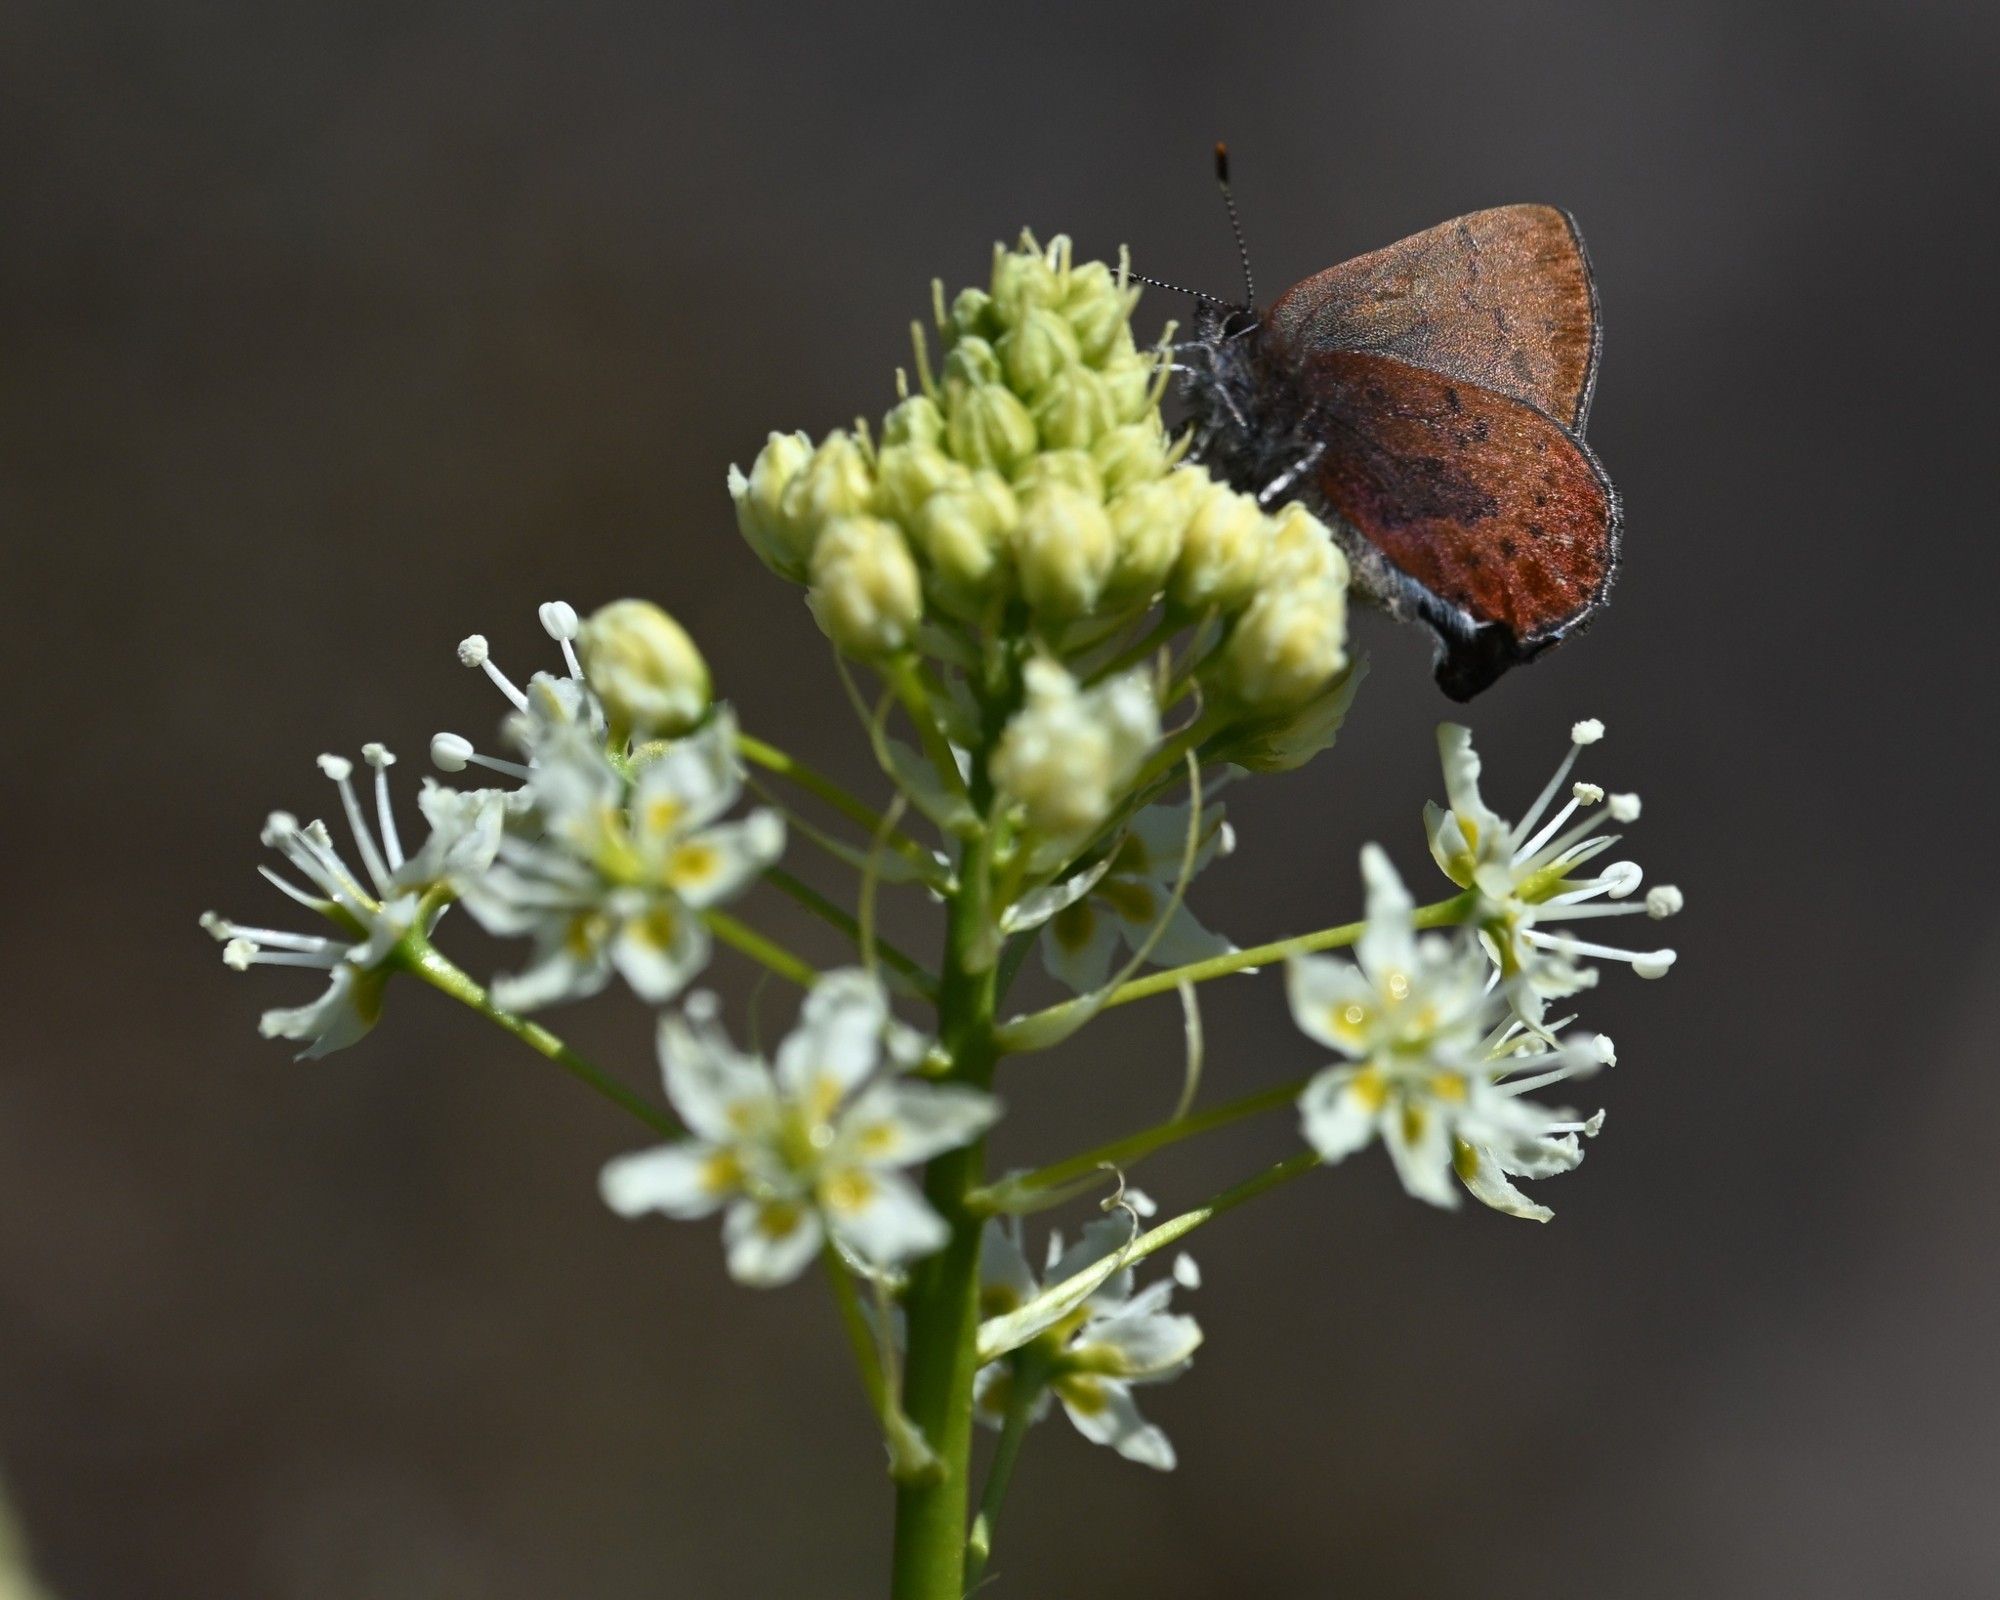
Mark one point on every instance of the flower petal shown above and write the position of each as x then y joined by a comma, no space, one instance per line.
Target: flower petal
1340,1111
720,1093
659,950
839,1036
685,1180
770,1242
880,1216
1105,1413
898,1123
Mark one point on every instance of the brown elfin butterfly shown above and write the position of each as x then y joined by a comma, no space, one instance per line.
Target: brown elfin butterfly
1427,401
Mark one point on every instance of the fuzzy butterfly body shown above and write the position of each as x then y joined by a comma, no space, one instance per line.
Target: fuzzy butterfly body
1428,401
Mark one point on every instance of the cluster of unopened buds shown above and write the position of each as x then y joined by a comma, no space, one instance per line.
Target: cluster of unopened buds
1082,634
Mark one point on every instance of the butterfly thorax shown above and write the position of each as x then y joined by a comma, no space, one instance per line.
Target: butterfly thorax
1249,420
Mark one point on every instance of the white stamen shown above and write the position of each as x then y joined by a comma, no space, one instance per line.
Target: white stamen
1527,823
1587,793
1186,1273
1588,731
378,757
240,954
560,624
1606,1051
1624,808
1654,965
1664,900
450,751
473,650
340,769
286,886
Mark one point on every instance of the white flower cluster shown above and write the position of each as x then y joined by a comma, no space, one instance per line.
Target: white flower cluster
604,846
1444,1037
1036,472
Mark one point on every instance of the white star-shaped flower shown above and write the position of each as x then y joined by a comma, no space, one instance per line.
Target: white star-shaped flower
1430,1070
625,866
1091,1358
809,1147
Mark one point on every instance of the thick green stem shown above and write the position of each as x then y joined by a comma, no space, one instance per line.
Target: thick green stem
942,1304
423,959
1044,1024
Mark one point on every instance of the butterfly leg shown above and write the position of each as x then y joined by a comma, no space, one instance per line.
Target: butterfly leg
1290,475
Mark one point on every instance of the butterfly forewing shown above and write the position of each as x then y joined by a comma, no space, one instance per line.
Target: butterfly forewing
1501,298
1475,511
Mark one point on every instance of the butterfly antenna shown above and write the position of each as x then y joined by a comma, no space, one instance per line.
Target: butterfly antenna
1174,288
1235,222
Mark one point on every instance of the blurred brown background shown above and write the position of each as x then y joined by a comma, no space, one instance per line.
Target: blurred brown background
331,333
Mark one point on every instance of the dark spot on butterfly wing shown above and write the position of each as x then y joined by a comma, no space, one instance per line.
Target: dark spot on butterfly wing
1501,537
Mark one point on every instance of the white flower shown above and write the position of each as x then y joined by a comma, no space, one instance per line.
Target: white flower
1428,1073
1528,876
1123,905
373,910
1091,1358
625,868
1069,754
805,1149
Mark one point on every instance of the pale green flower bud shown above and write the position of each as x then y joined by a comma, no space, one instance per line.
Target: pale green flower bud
1071,469
1133,454
1024,280
644,668
989,427
1129,384
969,363
1301,552
760,504
1063,550
906,475
963,532
837,482
1222,552
865,588
1097,311
1075,408
1069,754
916,420
1036,349
973,312
1286,647
1149,523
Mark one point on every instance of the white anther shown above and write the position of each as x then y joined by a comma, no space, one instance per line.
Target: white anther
1586,794
1186,1273
558,619
1653,965
278,827
450,751
1588,731
473,650
1664,900
701,1006
338,768
239,953
1605,1052
1594,1126
215,926
1621,878
377,756
1624,808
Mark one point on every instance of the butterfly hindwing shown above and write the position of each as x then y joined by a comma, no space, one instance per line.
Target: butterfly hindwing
1501,298
1468,508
